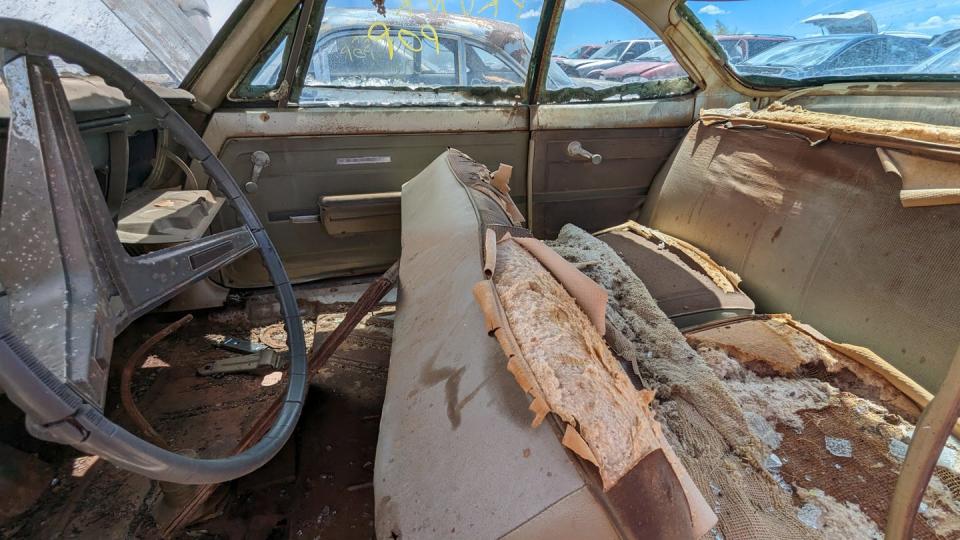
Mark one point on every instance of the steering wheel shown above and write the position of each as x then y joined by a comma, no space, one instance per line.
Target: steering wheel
70,285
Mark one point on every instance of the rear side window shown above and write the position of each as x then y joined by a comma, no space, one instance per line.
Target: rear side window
818,41
757,46
485,69
629,61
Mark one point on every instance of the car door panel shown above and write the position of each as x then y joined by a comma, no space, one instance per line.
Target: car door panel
329,201
634,140
567,189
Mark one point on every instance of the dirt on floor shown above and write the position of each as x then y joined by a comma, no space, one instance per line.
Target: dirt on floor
319,485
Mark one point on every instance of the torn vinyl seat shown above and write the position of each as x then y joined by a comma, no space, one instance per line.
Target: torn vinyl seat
457,455
459,403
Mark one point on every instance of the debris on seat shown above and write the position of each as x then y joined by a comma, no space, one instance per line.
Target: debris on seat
840,454
779,345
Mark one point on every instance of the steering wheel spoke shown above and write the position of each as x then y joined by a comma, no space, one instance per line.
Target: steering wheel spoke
149,280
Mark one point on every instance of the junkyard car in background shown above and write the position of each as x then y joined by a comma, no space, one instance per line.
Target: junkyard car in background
348,59
612,54
660,64
945,40
581,52
946,61
837,55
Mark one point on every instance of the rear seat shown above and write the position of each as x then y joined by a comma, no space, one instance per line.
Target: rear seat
702,297
687,285
453,411
819,232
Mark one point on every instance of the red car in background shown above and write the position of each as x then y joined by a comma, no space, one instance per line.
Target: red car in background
658,63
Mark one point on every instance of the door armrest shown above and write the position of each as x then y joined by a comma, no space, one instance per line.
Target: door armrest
367,212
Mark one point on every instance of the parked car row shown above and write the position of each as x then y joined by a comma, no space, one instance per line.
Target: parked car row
610,55
660,64
831,55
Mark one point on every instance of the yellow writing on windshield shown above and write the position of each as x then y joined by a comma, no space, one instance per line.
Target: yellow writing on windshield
409,40
413,40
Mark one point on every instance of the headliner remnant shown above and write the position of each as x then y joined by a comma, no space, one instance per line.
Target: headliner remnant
827,122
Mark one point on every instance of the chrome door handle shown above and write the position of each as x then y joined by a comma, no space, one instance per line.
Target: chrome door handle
260,160
576,150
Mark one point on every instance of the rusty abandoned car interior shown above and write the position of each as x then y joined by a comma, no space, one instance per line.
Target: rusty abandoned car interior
559,269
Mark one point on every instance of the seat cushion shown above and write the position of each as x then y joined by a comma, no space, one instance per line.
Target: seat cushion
681,287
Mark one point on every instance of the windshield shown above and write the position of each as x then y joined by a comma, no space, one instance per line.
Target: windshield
659,53
158,44
799,53
610,51
795,44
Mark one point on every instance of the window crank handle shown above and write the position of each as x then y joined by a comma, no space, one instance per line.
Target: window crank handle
260,160
577,151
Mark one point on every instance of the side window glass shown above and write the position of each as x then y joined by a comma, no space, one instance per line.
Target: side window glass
903,52
757,46
269,74
631,62
417,52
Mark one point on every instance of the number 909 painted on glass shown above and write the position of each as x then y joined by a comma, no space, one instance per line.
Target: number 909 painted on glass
409,40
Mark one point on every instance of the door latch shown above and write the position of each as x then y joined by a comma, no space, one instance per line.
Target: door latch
260,160
577,151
